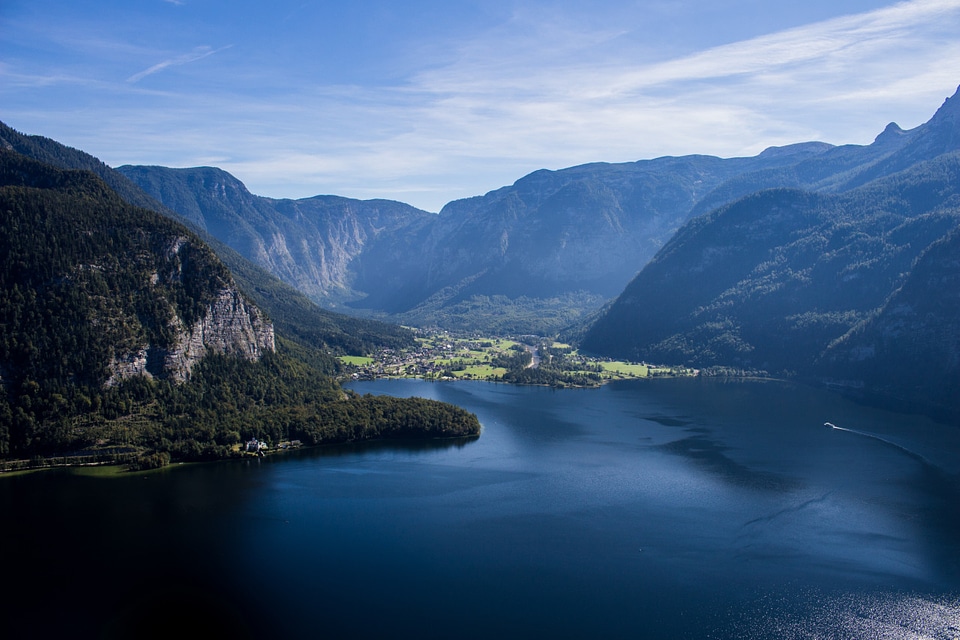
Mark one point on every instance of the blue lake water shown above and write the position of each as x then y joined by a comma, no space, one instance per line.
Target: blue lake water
654,509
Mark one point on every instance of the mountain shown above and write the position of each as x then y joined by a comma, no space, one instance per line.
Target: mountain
296,316
846,167
586,228
812,282
124,338
55,154
770,280
308,243
533,257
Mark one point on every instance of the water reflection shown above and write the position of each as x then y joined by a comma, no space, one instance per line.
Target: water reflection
710,456
353,449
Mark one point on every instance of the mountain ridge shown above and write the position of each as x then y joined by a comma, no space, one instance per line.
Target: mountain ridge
772,258
546,251
308,242
522,242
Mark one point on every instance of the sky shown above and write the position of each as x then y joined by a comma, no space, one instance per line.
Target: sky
426,102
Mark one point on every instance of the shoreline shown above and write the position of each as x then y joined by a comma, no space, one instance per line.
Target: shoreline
119,469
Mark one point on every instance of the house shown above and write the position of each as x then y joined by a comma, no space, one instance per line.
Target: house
256,446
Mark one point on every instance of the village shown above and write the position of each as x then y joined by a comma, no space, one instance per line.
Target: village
447,356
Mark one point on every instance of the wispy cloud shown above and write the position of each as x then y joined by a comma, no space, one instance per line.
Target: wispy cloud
197,54
504,106
831,47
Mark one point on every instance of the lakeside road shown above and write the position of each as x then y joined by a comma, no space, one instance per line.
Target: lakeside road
534,357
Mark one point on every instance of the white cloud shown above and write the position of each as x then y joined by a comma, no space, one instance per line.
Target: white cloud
197,54
842,50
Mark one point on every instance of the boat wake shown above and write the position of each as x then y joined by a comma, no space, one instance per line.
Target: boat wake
872,436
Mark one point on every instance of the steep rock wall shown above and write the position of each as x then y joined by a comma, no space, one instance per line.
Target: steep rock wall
231,326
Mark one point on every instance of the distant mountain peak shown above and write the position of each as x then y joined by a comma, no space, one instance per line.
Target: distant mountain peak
890,133
946,119
949,111
953,102
941,133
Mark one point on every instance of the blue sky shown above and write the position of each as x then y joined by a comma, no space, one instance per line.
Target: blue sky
426,102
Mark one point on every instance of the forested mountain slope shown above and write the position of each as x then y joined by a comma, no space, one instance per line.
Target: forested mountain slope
772,280
123,337
908,352
100,291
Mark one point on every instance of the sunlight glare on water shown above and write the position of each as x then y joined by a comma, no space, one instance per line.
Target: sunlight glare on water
815,615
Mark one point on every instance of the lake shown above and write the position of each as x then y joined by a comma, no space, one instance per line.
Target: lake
680,508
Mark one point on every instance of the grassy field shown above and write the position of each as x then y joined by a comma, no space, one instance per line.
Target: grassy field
482,372
626,369
358,361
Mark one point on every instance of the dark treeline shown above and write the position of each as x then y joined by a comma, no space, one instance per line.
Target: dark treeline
553,369
226,402
553,377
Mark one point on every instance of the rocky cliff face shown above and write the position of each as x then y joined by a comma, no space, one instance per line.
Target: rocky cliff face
228,324
231,326
309,243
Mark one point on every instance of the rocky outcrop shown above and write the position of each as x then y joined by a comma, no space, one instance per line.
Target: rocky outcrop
229,324
232,326
96,291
